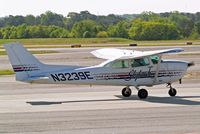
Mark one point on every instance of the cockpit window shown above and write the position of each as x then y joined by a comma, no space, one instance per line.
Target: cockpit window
121,64
154,59
139,62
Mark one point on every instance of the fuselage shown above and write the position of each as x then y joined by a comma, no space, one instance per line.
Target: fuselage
167,71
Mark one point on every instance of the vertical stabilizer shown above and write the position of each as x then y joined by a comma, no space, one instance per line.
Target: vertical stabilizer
24,63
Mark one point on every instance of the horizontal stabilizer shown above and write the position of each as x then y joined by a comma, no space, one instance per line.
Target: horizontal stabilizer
38,79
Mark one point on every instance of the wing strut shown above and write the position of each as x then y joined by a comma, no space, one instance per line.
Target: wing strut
157,69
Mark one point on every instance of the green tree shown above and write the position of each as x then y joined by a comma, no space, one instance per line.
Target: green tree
119,30
81,27
2,22
50,18
59,33
22,31
13,35
12,32
38,31
6,32
198,27
13,20
150,30
183,23
87,34
1,35
104,21
30,20
102,34
149,16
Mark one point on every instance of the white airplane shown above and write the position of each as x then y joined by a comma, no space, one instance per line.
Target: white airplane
121,68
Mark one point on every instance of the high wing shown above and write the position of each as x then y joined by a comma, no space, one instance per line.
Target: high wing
112,53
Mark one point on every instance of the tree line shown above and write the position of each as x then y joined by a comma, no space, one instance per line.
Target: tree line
144,26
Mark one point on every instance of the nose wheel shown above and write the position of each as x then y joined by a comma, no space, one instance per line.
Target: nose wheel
172,91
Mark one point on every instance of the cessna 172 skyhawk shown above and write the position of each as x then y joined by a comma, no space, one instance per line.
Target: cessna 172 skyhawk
121,68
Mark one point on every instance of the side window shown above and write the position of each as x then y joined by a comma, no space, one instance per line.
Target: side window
154,59
139,62
121,64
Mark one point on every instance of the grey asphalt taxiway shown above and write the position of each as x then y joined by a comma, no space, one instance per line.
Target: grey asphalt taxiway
76,109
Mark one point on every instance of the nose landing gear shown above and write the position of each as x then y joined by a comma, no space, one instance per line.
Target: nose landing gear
172,91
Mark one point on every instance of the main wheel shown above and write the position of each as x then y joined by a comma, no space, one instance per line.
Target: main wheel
142,93
126,92
172,92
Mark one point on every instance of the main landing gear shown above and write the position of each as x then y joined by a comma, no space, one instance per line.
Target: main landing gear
126,92
172,91
142,93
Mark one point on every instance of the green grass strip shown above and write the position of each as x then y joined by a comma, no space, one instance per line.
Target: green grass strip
34,52
6,72
56,41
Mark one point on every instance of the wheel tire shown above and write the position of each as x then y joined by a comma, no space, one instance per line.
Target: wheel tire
142,94
172,92
126,92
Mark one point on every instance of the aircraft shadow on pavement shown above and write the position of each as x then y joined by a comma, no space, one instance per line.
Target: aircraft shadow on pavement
181,100
61,102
